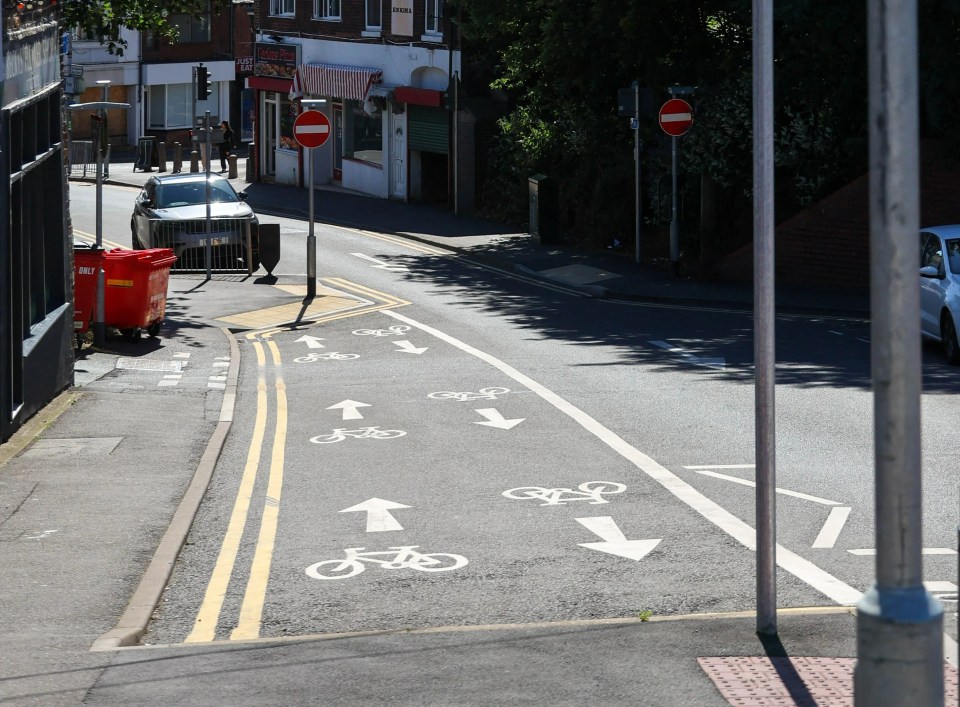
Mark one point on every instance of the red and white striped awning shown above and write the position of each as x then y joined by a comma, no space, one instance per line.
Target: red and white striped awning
334,80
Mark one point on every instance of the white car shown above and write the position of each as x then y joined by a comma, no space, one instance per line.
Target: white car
940,287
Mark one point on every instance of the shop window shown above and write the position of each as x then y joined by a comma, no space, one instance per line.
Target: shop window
169,106
364,134
288,114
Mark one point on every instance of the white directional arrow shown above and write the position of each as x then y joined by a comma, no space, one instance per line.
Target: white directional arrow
614,541
717,363
495,419
312,342
408,347
378,510
350,409
380,265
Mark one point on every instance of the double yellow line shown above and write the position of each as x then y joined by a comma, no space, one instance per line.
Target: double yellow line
251,611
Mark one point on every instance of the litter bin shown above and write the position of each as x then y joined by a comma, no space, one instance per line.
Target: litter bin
544,206
135,288
146,154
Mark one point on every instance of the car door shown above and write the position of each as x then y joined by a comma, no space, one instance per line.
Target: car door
141,213
932,289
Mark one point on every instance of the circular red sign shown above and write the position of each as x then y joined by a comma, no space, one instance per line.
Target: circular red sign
311,128
676,117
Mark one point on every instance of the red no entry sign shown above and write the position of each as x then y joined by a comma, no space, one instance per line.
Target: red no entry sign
676,117
311,128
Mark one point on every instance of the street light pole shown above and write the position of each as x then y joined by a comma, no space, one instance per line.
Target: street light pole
899,624
99,319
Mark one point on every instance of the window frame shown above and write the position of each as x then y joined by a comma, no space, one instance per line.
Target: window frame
371,27
283,8
437,6
328,10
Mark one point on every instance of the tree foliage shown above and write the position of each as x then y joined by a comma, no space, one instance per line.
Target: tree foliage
561,62
103,19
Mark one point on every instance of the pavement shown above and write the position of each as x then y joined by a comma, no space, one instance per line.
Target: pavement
98,490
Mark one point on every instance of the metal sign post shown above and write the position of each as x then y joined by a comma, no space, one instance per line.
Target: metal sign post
99,324
311,129
676,117
637,154
208,245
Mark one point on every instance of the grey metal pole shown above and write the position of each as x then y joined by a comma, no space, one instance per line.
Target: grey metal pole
764,313
208,245
674,222
899,624
311,238
99,320
637,149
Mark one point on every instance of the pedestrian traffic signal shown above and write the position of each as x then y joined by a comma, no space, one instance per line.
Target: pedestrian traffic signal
203,83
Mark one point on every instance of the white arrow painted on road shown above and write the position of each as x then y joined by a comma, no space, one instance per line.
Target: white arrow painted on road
495,419
408,347
378,510
716,363
614,541
380,265
312,342
350,409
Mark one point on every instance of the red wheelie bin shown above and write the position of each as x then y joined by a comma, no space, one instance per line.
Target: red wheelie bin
135,288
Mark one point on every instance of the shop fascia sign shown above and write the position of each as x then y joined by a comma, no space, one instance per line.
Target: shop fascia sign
278,61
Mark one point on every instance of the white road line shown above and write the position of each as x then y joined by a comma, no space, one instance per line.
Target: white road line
940,586
803,569
721,466
785,492
831,529
870,552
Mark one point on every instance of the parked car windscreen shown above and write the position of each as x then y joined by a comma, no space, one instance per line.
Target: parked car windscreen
170,196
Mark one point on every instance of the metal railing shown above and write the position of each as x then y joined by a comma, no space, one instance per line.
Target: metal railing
82,160
231,244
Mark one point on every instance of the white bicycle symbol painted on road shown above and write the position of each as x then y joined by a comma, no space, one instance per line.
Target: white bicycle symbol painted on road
326,356
396,330
397,558
339,434
482,394
591,491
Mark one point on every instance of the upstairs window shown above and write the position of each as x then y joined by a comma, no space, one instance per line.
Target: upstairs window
282,8
374,15
190,29
326,9
434,16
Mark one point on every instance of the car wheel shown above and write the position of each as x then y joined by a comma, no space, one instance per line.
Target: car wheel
948,333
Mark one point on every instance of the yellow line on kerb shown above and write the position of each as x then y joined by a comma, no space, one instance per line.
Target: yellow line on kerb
251,611
205,626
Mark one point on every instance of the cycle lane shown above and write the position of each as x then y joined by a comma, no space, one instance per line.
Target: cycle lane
525,561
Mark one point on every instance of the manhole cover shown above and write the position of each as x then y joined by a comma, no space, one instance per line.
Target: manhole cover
140,364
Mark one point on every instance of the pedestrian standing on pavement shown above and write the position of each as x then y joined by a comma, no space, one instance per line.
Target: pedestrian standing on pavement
226,147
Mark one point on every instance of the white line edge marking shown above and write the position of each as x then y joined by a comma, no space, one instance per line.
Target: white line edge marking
803,569
870,552
752,484
832,527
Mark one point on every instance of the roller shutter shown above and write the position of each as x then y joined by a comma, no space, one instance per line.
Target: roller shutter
428,129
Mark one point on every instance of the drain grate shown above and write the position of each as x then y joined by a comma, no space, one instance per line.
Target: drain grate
139,364
792,682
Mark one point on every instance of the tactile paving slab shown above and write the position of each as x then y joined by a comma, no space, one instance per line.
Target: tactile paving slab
792,682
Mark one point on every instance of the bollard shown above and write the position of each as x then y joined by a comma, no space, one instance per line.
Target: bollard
161,157
251,151
232,164
177,158
194,161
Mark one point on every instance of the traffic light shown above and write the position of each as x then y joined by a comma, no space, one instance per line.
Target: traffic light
203,83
